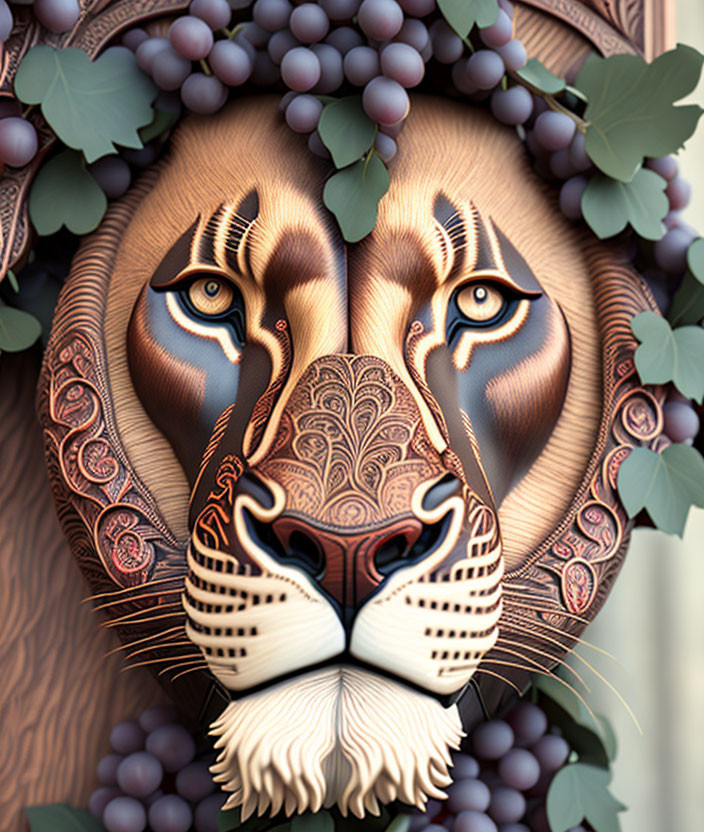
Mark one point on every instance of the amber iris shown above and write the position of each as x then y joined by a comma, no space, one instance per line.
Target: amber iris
480,302
210,295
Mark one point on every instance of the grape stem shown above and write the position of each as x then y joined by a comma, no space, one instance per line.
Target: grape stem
231,33
205,67
552,102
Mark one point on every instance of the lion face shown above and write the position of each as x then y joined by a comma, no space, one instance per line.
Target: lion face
370,443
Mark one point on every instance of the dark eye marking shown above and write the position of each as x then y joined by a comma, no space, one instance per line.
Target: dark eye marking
484,305
211,298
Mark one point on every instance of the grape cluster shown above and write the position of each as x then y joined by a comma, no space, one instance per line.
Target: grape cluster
152,780
501,786
18,138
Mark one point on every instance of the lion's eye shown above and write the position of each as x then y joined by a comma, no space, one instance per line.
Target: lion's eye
211,296
481,303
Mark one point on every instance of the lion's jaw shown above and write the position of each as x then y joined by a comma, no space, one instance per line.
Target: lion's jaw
337,736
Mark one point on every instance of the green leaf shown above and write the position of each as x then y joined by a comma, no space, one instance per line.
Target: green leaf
401,823
64,193
309,822
90,105
664,484
667,354
609,206
161,122
695,259
578,792
631,112
461,15
688,303
18,329
346,130
608,735
353,195
540,78
229,819
60,817
12,280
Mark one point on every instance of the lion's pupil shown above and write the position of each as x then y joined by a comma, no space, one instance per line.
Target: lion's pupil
212,287
480,294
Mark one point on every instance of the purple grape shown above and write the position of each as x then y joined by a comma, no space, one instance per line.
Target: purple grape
380,19
385,146
153,797
309,23
172,745
331,73
512,106
344,38
194,782
499,33
464,795
464,767
571,195
300,69
679,192
435,827
141,158
554,130
385,101
207,811
513,54
360,65
519,769
114,177
578,155
538,820
139,774
107,769
414,33
665,166
418,822
417,8
100,799
303,112
128,736
402,63
681,421
18,142
447,44
671,250
271,15
492,740
57,15
426,52
203,94
473,822
393,130
551,752
578,828
514,827
485,69
528,721
459,78
316,146
265,73
338,10
286,99
169,69
191,37
158,715
170,813
147,52
6,21
124,814
507,805
216,13
255,34
660,288
560,164
507,6
134,38
230,62
279,44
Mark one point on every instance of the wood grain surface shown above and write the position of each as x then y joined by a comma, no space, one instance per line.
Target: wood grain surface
59,693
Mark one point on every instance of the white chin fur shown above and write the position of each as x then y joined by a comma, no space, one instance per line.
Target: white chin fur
341,736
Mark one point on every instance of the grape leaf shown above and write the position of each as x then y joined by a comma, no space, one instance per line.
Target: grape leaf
664,484
578,792
229,819
64,193
161,122
353,194
401,823
60,817
695,259
90,105
18,329
461,15
688,303
667,354
608,206
309,822
346,130
540,78
630,111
